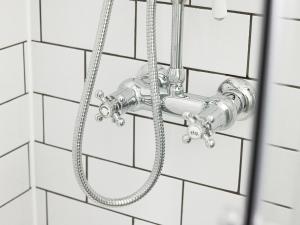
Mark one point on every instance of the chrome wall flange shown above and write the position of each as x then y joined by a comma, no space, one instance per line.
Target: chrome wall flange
246,93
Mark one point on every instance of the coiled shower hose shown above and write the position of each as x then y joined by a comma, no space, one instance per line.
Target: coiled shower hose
85,101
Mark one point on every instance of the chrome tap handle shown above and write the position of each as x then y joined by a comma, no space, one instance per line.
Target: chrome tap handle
109,108
199,128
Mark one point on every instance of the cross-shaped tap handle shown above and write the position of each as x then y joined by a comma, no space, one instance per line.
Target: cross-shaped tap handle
109,108
198,128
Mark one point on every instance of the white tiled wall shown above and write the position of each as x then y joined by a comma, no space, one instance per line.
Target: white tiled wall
15,185
198,186
19,211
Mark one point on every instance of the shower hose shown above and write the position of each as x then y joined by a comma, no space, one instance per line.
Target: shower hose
85,101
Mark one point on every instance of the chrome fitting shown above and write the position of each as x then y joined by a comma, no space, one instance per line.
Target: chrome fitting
234,100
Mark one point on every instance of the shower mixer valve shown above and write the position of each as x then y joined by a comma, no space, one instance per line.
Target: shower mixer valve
162,91
234,100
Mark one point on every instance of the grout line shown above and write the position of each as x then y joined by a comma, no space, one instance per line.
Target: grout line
47,207
41,21
277,204
43,118
134,218
13,150
84,65
285,148
287,85
29,163
182,204
150,118
87,173
166,64
61,45
56,97
290,18
12,45
145,60
164,175
24,67
12,99
14,198
207,8
139,168
249,45
187,80
133,140
94,205
138,59
135,28
132,221
172,123
240,166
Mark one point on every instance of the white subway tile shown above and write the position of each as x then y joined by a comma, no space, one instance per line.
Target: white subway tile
255,50
58,71
203,47
38,117
253,6
79,213
282,125
54,171
99,138
27,68
112,72
206,84
11,73
162,205
75,24
163,29
286,67
273,214
35,19
290,8
41,207
215,167
14,129
60,117
140,222
13,22
278,176
207,206
18,212
14,174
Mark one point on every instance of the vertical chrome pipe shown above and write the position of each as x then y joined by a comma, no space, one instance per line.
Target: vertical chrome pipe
176,72
177,31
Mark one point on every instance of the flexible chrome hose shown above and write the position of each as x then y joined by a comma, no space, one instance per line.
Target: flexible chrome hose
85,101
